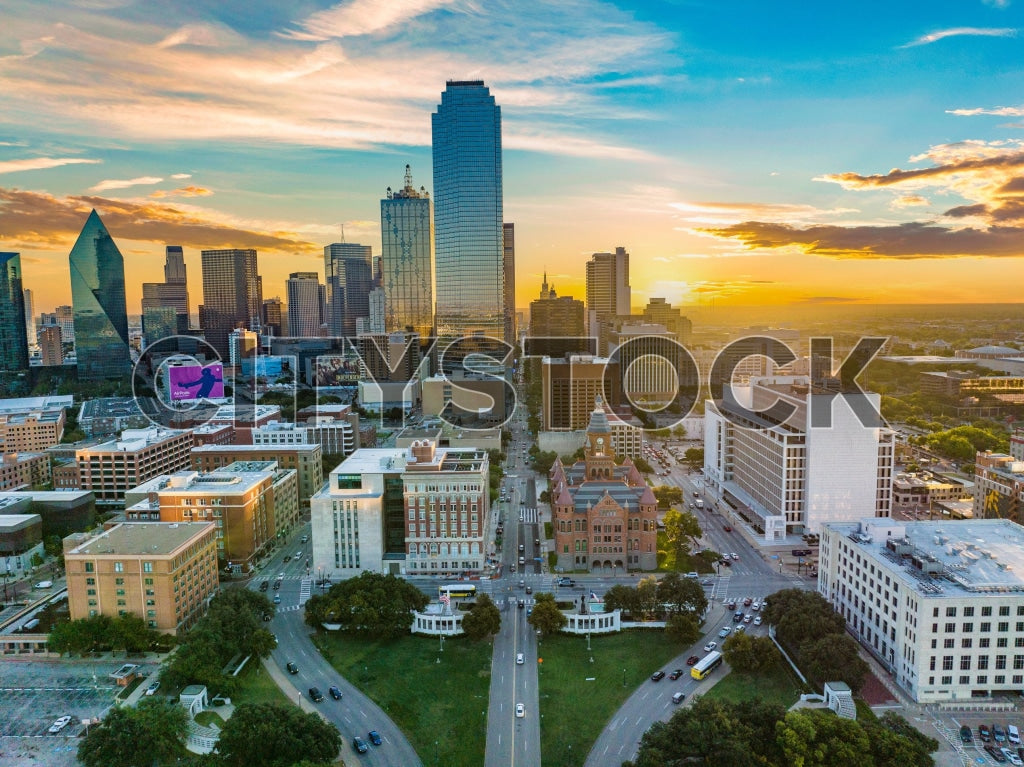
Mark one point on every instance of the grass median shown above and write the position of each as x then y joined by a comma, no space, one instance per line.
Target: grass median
578,697
441,707
775,685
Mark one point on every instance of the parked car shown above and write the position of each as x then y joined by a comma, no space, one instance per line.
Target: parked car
675,674
360,745
966,736
693,660
757,621
59,725
678,697
151,690
998,733
292,668
334,691
1013,734
374,737
315,695
657,676
1011,757
996,754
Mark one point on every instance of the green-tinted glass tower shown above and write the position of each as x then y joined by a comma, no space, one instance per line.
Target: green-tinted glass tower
13,336
97,293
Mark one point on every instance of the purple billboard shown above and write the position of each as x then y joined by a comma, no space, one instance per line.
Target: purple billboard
191,382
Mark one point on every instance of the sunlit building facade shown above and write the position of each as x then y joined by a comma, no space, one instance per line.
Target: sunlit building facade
13,335
407,234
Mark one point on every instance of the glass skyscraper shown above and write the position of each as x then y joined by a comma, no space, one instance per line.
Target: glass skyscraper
13,337
232,295
407,234
97,294
469,254
349,279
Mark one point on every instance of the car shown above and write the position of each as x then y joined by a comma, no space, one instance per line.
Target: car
1013,734
998,733
996,754
758,621
726,630
710,646
726,562
536,541
334,692
678,697
277,585
287,558
657,676
59,725
520,659
374,737
315,695
292,668
693,660
521,604
43,585
748,618
706,582
1010,756
529,589
304,539
360,745
740,629
264,585
298,555
151,690
984,733
512,567
966,736
734,557
731,604
756,606
522,583
277,599
521,547
747,601
267,616
520,710
727,528
675,674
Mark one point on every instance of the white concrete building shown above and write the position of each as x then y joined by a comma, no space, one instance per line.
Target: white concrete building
792,476
418,510
337,436
940,604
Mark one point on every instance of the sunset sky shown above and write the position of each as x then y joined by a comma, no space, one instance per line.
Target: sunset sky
743,152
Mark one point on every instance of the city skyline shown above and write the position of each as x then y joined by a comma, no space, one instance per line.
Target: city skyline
737,164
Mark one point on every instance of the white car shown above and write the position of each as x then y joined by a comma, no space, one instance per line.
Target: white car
520,660
520,710
60,724
734,557
757,621
151,690
1010,756
710,646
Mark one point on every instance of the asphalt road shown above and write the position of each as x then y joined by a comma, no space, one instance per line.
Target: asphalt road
355,714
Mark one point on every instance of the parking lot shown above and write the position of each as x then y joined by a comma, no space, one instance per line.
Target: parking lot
34,694
952,751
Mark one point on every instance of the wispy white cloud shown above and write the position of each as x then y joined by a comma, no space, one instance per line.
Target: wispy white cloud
362,17
42,163
114,183
1001,4
180,176
942,34
997,111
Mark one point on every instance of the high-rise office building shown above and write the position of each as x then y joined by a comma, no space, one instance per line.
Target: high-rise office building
608,292
661,312
65,317
273,322
509,270
407,263
97,294
305,304
232,295
160,297
50,346
375,323
349,280
30,318
13,337
174,266
552,315
469,254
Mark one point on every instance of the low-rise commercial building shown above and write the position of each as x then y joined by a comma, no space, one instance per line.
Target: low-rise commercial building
63,511
21,537
165,573
921,491
22,471
336,436
940,604
30,430
998,486
306,460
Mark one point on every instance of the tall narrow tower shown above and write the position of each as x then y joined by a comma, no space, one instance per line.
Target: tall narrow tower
469,253
348,274
407,236
305,304
97,293
13,335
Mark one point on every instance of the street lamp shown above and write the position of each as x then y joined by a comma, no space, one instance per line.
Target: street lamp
623,677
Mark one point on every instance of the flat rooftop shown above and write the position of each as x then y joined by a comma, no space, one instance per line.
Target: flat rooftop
946,558
134,439
156,538
11,522
23,404
373,460
311,447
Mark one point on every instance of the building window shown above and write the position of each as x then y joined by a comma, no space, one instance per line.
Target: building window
118,567
147,567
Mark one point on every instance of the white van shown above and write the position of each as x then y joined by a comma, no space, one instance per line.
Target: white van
1013,734
43,585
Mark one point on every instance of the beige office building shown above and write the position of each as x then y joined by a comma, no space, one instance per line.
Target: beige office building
164,573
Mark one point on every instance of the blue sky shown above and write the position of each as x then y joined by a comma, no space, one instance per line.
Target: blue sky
740,151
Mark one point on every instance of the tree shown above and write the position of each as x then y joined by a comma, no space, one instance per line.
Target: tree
152,733
682,530
373,604
706,733
483,620
543,460
694,457
682,628
746,653
834,657
620,597
266,735
667,495
646,603
895,741
816,738
642,465
799,616
546,617
682,594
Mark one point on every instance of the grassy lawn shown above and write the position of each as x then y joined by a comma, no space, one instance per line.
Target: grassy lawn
207,718
575,710
777,685
256,686
443,703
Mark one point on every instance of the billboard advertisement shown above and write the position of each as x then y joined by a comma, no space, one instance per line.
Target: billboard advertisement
334,370
192,382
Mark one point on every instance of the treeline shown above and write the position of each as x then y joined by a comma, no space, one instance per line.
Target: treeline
373,605
680,601
127,633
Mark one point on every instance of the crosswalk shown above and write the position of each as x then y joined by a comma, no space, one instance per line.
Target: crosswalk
304,590
529,516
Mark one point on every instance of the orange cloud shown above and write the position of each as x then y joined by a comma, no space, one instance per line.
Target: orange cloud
36,219
185,191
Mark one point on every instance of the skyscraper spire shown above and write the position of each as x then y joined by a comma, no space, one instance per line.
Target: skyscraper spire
408,179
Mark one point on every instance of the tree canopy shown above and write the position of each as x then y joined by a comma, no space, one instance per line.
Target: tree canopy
267,735
151,733
747,653
373,605
126,632
546,617
682,531
483,620
667,495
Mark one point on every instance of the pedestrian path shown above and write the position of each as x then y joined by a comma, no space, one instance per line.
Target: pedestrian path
528,516
304,590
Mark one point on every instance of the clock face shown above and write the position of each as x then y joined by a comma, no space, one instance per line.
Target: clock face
600,442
